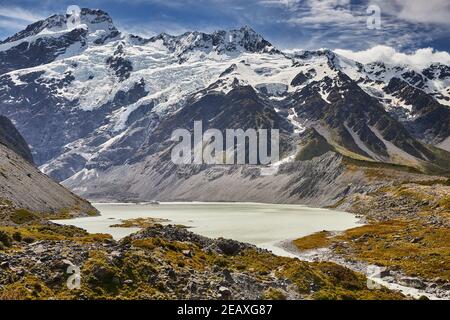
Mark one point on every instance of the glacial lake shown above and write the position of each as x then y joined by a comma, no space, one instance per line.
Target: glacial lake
264,225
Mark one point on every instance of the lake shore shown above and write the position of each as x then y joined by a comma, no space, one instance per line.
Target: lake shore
263,225
391,280
395,280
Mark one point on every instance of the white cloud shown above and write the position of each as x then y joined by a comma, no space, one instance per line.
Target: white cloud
11,25
18,13
430,11
13,19
324,12
419,59
417,11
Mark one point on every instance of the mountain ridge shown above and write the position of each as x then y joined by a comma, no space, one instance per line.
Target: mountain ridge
110,101
11,138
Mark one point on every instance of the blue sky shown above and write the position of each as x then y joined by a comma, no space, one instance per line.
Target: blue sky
406,25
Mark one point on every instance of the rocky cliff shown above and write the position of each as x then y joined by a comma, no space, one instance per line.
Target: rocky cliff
26,194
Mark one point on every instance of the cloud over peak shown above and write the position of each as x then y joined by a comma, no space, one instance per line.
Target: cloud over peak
418,11
418,59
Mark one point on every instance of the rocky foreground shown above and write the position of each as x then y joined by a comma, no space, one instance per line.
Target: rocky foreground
407,233
161,262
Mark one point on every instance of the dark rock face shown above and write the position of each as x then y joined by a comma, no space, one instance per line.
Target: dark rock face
432,120
47,140
299,79
229,70
241,108
314,145
302,78
414,78
62,125
437,71
433,126
349,106
420,101
10,137
41,51
121,66
68,165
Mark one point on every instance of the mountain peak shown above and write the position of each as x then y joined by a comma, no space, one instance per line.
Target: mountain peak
96,19
247,28
244,39
93,20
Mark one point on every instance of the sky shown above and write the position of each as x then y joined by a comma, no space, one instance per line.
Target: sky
405,26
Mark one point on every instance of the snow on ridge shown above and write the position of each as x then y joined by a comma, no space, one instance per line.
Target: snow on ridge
30,39
294,119
379,74
158,66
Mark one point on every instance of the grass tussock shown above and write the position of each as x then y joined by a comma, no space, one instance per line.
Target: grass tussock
139,223
22,216
314,241
51,232
415,249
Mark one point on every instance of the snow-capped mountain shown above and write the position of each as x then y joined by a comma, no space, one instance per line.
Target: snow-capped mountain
44,41
98,106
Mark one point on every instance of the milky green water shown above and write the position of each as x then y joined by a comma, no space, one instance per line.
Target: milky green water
264,225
